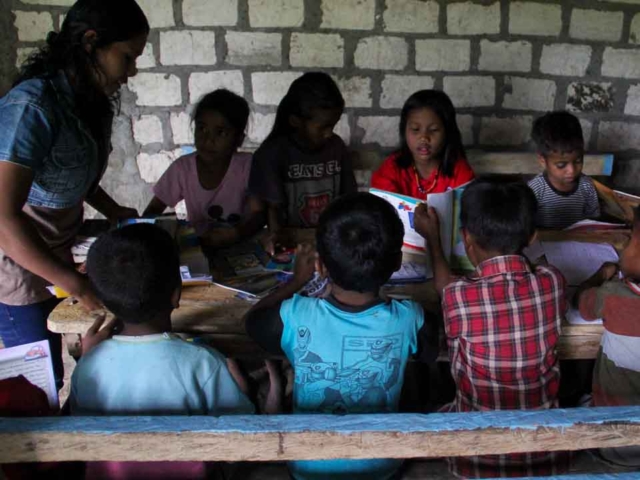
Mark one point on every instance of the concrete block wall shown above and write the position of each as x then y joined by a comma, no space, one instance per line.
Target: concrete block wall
502,62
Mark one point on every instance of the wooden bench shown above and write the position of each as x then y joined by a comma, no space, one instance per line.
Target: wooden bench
314,437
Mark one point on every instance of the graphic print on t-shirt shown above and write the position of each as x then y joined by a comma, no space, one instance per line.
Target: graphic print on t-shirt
311,206
359,381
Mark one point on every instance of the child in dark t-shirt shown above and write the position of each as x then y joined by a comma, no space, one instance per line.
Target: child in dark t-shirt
302,165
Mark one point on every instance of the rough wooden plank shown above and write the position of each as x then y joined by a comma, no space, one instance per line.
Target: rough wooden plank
288,437
617,238
578,347
514,163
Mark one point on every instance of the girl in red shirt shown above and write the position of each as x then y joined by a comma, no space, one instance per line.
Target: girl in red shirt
431,158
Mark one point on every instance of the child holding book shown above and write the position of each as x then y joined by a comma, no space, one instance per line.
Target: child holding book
213,180
616,378
349,350
431,158
503,321
302,165
565,196
145,369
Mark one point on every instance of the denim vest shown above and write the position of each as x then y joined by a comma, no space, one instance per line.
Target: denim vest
39,130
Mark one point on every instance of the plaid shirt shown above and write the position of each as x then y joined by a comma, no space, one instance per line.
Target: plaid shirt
502,325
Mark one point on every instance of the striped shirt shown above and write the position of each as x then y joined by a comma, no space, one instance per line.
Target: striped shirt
558,209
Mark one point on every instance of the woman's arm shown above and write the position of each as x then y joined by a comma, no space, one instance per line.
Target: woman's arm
155,207
102,202
22,243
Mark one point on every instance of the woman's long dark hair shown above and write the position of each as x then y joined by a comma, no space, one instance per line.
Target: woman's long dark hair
113,21
312,91
442,106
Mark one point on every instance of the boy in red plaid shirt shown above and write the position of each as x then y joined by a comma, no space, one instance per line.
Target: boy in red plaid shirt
502,321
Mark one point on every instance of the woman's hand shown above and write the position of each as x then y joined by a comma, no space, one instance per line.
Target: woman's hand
80,288
96,335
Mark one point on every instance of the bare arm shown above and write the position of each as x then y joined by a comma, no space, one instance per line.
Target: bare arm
251,224
155,207
427,224
21,242
102,202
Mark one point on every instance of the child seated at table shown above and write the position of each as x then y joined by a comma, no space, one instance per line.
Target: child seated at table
502,322
145,369
565,196
616,378
348,350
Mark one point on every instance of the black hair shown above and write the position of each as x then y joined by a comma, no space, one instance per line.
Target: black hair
636,218
557,131
500,216
359,240
231,106
113,21
307,93
442,106
134,271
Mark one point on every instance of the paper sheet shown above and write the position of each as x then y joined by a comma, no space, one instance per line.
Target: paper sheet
578,261
33,361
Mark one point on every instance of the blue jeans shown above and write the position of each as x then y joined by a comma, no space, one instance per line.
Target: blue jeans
20,324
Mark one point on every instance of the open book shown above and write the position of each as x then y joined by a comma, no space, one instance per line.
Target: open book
447,205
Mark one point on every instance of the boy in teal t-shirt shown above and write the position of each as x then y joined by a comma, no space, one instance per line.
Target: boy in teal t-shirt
349,350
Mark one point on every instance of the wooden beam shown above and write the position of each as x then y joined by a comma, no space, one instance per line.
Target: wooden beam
313,437
514,163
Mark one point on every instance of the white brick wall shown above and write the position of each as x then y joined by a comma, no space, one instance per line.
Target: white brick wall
465,125
201,83
417,16
152,166
618,136
63,3
159,12
22,54
443,55
471,91
396,89
621,63
348,14
270,87
565,59
343,130
596,25
505,56
147,129
473,19
260,126
382,53
276,13
181,128
156,89
632,106
254,48
147,59
33,26
317,50
528,18
511,131
634,34
529,94
380,130
200,13
188,47
355,90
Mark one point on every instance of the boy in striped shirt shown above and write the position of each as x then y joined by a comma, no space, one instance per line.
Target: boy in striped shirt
565,196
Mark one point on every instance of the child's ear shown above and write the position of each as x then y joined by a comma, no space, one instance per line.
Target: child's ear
321,269
469,245
89,40
542,161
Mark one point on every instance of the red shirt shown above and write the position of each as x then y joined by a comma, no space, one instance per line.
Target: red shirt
502,324
393,178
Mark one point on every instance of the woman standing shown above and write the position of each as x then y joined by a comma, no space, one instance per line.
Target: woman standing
55,130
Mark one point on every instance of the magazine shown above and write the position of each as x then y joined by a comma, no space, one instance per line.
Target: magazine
447,206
